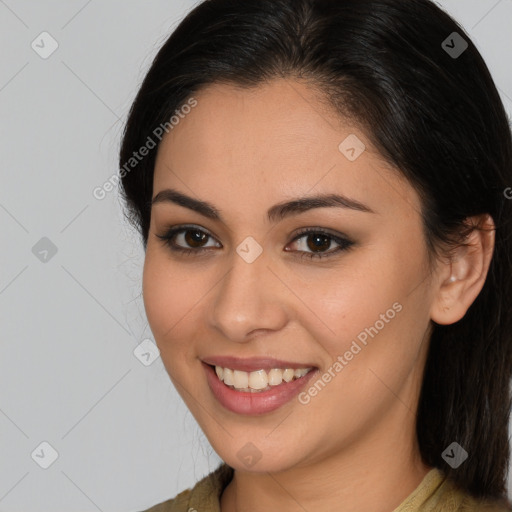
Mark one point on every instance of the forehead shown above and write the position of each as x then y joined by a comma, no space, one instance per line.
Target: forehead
278,140
272,117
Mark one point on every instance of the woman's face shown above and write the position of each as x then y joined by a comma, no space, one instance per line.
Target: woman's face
255,298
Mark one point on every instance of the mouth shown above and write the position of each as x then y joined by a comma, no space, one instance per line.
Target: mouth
259,391
260,380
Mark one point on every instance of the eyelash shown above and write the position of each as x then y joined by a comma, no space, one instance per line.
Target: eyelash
344,243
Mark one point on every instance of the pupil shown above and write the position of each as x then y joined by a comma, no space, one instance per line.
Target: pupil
318,242
191,240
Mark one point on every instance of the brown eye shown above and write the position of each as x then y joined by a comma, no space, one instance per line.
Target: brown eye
192,241
187,240
317,241
195,238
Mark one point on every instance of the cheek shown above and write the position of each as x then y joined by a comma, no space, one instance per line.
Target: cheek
168,298
371,305
344,302
169,303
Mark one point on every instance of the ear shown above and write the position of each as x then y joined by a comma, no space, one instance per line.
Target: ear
462,277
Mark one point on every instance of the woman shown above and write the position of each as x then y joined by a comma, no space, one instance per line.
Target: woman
320,187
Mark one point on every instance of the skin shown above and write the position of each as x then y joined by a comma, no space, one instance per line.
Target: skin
353,446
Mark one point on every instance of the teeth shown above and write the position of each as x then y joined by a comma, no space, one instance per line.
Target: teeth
288,374
275,377
241,379
258,380
228,377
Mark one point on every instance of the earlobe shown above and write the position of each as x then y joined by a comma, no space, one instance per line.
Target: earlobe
462,277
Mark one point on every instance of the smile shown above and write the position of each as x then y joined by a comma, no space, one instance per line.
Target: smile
259,380
258,391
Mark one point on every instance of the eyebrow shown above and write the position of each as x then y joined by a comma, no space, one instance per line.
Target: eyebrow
276,213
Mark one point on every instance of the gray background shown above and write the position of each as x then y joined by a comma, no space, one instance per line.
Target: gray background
72,320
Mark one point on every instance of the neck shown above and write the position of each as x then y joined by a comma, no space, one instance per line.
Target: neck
370,475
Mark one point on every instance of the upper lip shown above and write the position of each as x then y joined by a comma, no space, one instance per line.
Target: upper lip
252,364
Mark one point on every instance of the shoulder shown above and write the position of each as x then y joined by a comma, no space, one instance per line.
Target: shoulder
178,503
470,504
204,496
458,500
439,493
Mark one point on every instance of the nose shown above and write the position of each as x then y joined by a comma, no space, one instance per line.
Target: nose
249,300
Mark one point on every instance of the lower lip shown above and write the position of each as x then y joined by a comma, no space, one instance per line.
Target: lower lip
248,403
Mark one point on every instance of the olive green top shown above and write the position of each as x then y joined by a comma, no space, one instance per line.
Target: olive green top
435,493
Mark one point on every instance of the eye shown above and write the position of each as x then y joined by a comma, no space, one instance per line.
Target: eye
317,240
194,237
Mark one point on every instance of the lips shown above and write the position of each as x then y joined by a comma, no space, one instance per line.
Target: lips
247,402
